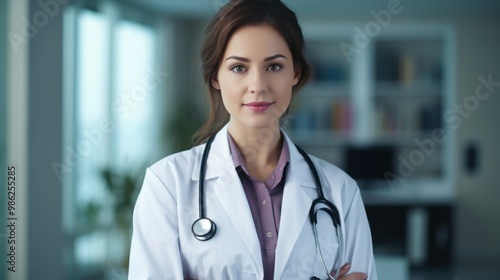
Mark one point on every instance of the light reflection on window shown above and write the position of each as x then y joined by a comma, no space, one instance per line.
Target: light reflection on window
115,125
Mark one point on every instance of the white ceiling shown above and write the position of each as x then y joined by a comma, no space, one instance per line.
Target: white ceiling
328,9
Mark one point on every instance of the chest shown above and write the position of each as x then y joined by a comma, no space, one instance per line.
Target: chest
234,251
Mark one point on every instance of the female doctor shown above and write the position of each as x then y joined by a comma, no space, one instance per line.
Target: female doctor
247,204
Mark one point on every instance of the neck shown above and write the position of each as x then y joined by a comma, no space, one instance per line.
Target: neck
259,147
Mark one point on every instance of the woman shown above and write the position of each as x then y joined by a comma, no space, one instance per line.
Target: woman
258,187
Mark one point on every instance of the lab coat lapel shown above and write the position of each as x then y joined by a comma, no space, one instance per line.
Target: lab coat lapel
295,207
229,191
231,195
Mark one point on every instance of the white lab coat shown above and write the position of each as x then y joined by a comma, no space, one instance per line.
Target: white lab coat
163,246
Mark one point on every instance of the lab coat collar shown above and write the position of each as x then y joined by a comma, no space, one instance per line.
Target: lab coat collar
219,157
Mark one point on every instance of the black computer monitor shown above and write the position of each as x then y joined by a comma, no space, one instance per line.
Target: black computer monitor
370,162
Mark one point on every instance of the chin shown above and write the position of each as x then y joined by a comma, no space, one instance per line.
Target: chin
262,123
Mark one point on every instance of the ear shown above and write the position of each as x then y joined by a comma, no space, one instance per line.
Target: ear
215,84
296,78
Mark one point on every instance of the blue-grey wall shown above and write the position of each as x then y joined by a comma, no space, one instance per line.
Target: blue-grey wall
3,123
45,74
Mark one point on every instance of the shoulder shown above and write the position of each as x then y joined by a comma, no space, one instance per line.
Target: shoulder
338,186
335,177
332,171
332,176
178,162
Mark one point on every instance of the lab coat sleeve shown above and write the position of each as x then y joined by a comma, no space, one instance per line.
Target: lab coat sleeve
155,251
359,248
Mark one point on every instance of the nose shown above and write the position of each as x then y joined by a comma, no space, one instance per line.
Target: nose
257,82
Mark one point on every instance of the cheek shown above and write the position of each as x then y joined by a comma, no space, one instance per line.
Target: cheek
226,98
230,99
284,89
228,84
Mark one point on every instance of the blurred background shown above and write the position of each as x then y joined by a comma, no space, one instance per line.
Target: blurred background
404,97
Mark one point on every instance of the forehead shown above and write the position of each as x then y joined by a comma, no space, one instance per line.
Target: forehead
256,40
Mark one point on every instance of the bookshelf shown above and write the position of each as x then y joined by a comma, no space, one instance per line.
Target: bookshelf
381,106
379,116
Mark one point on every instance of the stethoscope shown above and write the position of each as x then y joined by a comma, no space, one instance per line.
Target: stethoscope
204,229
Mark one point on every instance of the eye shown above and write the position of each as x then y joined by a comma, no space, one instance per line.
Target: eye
238,68
275,67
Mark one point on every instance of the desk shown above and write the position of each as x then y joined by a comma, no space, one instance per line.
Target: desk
411,223
392,267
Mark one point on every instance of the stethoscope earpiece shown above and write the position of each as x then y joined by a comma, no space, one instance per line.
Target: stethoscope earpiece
203,229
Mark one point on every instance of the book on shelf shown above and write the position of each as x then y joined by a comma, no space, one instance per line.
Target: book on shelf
341,117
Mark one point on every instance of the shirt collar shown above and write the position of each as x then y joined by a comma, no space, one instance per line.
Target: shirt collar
238,159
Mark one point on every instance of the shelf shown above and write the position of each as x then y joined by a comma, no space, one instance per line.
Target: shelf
325,89
409,192
400,142
319,138
417,89
324,137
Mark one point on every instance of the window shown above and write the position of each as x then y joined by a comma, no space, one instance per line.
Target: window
114,130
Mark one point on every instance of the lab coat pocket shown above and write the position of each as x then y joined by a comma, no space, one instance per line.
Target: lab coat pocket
305,260
310,265
329,244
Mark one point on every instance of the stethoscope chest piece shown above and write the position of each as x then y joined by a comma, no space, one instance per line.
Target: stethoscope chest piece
203,229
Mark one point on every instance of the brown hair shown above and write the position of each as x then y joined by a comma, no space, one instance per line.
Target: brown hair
231,17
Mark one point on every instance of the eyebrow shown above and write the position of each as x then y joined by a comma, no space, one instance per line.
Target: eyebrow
244,59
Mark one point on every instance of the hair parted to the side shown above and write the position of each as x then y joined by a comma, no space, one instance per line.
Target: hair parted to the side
230,18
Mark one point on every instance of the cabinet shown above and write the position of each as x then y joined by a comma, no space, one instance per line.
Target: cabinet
376,112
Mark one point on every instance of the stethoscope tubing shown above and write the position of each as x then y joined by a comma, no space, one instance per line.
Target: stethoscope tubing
204,228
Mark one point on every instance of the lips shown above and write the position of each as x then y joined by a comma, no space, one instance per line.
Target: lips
258,106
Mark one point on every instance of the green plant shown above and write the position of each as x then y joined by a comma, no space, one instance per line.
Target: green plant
123,188
182,124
